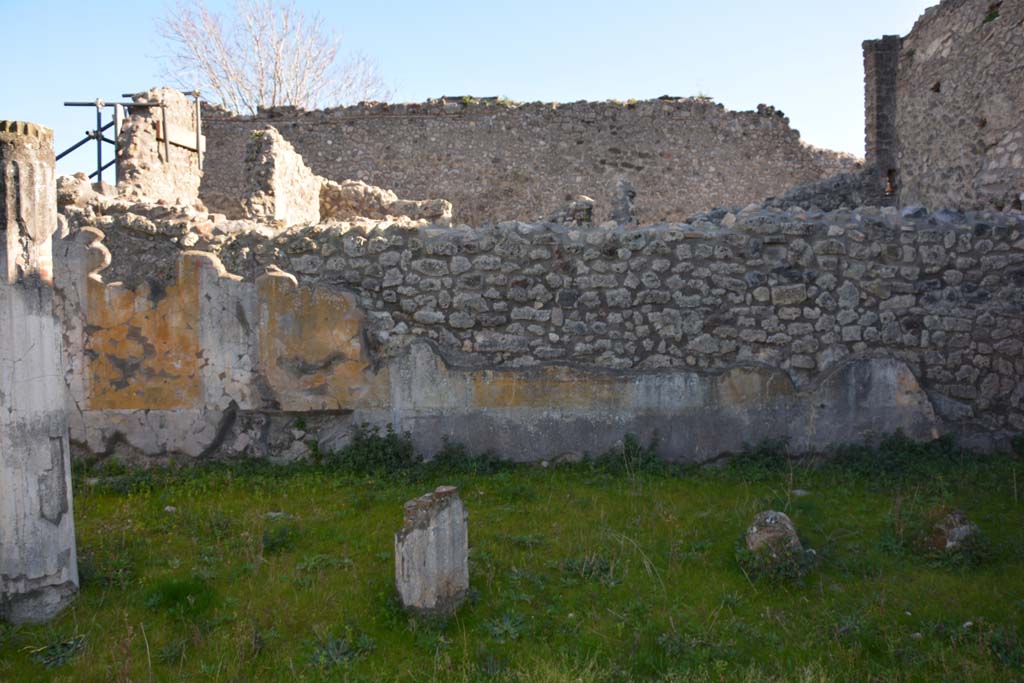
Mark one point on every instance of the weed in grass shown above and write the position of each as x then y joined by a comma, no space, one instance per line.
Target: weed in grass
590,567
913,529
370,452
691,645
317,563
187,598
278,538
218,525
337,651
897,457
761,461
58,652
690,551
115,571
505,628
454,458
1007,646
784,568
631,459
172,652
523,541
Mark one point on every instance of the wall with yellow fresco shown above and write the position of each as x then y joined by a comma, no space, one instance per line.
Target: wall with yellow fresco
311,349
143,350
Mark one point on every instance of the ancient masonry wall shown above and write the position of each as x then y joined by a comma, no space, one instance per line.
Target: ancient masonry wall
881,60
959,106
540,340
147,166
496,161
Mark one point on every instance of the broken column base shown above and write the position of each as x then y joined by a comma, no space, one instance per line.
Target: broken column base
39,605
432,554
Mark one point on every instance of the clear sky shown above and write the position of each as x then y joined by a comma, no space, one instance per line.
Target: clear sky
802,56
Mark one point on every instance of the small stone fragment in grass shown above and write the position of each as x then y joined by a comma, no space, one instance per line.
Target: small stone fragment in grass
773,548
953,532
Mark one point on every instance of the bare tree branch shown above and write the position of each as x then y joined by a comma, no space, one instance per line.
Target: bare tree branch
270,54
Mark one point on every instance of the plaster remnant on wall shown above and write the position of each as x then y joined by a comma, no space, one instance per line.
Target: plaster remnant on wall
530,339
38,569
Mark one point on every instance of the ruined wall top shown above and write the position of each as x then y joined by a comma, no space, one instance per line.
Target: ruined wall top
497,160
16,130
155,163
28,207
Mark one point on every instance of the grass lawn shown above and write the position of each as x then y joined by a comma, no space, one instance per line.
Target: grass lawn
618,571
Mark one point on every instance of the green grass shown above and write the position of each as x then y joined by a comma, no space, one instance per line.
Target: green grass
624,570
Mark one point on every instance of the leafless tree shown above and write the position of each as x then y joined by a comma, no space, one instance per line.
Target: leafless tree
269,53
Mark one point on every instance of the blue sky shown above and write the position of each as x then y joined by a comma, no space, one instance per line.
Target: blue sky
802,56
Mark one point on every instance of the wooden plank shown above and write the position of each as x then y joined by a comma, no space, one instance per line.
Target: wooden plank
181,137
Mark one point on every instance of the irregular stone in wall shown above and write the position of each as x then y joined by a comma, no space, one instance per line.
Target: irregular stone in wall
280,188
622,206
579,210
38,569
351,199
432,553
149,168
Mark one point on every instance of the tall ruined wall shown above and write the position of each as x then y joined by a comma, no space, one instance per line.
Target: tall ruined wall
958,95
881,65
497,162
536,340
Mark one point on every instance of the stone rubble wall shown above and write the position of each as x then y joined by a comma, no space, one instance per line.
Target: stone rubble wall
280,189
537,340
948,114
144,168
499,161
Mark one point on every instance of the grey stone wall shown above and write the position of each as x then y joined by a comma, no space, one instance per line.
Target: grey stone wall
147,168
881,60
794,290
499,161
958,99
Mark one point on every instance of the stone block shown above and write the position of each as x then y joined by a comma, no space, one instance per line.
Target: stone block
432,553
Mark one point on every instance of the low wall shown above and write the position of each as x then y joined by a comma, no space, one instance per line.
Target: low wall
499,161
538,340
